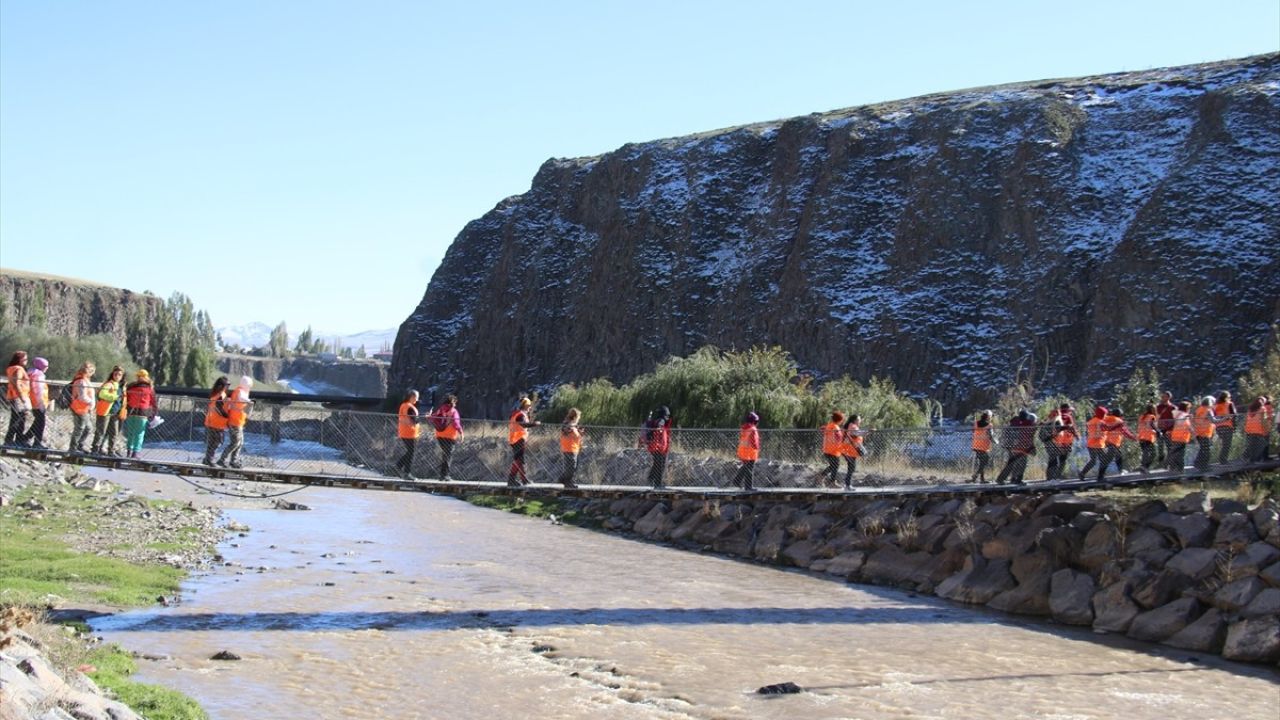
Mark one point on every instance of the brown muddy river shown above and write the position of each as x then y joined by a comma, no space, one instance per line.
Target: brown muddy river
377,605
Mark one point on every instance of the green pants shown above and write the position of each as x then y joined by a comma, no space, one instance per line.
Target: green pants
135,430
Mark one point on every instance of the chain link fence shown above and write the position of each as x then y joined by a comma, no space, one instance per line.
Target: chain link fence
309,439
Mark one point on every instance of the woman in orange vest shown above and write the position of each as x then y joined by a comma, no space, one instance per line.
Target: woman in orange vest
1115,431
238,405
748,450
107,412
1204,424
832,442
1179,435
18,394
1095,441
983,439
1226,411
448,426
1256,430
408,429
1147,434
82,397
853,448
216,418
1063,440
517,437
570,446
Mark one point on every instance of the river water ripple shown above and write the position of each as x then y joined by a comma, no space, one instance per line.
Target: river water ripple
376,605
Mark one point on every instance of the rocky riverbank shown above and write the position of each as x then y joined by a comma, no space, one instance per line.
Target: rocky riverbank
1195,573
42,665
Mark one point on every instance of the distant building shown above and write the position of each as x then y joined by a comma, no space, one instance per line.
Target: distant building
383,355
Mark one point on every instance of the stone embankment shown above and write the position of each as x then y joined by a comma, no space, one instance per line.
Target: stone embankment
1194,574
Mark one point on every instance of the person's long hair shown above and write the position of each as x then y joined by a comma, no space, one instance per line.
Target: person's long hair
18,358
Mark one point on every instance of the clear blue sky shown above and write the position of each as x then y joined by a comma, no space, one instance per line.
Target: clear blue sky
311,161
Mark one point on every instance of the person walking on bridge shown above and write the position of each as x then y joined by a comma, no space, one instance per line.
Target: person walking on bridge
1050,430
408,428
570,446
1095,441
448,427
1147,434
140,399
517,437
748,451
108,412
18,395
82,397
238,406
1225,410
1256,430
1020,438
1164,425
984,438
216,418
832,444
1115,430
39,403
1064,441
853,448
1204,423
1179,435
656,438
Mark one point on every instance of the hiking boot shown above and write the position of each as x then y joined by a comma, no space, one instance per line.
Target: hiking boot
222,462
207,461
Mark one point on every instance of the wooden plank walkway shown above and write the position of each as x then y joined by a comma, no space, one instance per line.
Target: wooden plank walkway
368,481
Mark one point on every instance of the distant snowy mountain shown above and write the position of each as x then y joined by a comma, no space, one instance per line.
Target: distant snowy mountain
256,334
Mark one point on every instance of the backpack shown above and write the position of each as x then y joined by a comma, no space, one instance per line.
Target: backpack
63,401
439,420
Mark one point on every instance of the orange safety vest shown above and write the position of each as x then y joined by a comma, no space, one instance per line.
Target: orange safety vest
749,443
853,443
1226,418
449,432
1181,432
408,425
1097,439
237,405
1202,423
982,438
213,419
1114,436
570,439
107,396
515,431
832,439
19,385
1253,424
79,389
1065,437
1147,428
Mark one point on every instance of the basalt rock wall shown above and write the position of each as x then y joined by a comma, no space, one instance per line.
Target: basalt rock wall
68,307
1194,574
1079,228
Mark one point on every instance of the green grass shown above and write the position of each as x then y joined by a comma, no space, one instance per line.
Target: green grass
113,668
35,562
532,508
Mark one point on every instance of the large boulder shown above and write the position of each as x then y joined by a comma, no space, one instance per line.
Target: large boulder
1253,640
847,564
1207,634
890,565
1196,502
1145,538
737,543
1063,543
1194,530
1113,610
1235,531
1160,588
1271,575
656,523
706,533
1101,546
1235,595
978,583
1070,597
800,553
1165,621
1265,603
1265,517
1065,506
1195,563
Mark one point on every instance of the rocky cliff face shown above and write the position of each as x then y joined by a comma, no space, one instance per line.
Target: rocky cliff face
1083,227
68,307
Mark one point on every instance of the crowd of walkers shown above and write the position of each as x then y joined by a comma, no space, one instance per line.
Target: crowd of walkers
1164,430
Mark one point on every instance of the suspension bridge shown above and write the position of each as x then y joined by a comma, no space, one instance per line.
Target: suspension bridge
321,442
